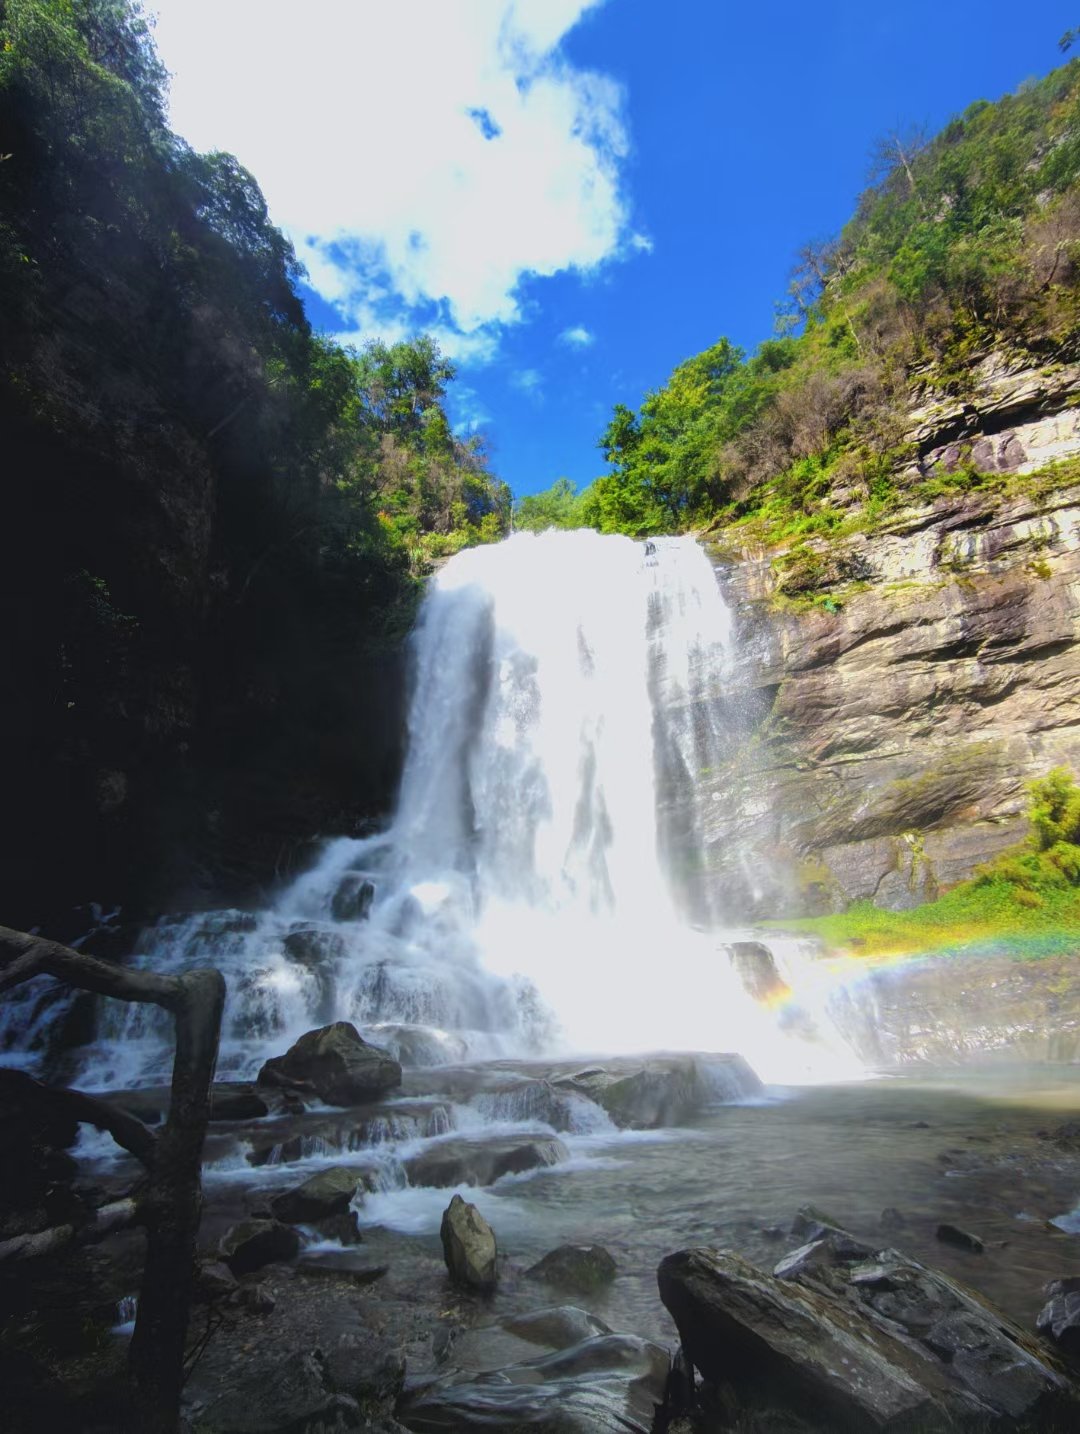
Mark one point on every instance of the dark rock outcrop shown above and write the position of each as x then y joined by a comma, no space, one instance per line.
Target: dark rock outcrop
962,1239
327,1192
337,1064
285,1396
861,1344
482,1162
254,1243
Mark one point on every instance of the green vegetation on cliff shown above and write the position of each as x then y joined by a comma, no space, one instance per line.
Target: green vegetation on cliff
964,245
217,518
1026,901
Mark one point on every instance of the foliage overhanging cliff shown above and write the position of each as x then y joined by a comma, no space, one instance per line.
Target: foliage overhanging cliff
963,245
216,519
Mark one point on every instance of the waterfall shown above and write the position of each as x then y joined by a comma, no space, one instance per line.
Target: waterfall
568,691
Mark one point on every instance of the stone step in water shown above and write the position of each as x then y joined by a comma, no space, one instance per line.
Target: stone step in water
319,1133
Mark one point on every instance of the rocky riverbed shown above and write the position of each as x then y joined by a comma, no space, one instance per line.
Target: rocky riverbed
325,1300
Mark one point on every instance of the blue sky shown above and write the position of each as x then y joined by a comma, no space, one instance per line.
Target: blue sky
574,195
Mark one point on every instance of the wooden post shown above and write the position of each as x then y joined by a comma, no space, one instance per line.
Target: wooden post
171,1206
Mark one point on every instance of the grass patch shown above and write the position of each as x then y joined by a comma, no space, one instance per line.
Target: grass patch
970,917
1025,902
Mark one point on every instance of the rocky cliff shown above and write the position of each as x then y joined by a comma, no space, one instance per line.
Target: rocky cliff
885,725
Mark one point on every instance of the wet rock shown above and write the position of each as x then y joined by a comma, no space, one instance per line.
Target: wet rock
666,1092
283,1396
805,1258
229,1100
368,1369
610,1384
327,1192
482,1162
236,1101
353,897
831,1247
962,1239
214,1281
582,1268
875,1345
256,1299
537,1100
335,1062
314,947
423,1046
322,1132
756,968
468,1243
1059,1318
891,1219
557,1327
343,1227
254,1243
813,1224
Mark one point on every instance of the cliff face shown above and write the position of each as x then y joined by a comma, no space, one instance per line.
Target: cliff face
881,749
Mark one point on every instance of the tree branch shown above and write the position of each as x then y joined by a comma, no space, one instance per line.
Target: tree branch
117,1216
126,1129
23,957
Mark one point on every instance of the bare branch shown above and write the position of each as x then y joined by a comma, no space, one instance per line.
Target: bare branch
125,1129
23,956
117,1216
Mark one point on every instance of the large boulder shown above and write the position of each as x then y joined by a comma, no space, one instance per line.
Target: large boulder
254,1243
286,1395
468,1243
666,1091
860,1345
327,1192
581,1268
611,1384
368,1369
482,1162
337,1064
555,1328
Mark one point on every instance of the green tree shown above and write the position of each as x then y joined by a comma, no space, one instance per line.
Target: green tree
555,507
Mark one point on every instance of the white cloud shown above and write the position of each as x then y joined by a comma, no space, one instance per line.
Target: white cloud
424,157
467,410
641,243
578,337
530,382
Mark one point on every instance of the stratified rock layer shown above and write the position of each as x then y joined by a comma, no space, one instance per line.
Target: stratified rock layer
880,750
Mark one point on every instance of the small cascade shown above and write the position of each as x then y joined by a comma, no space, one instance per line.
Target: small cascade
124,1315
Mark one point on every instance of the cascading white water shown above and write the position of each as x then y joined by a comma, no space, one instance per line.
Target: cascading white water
564,684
